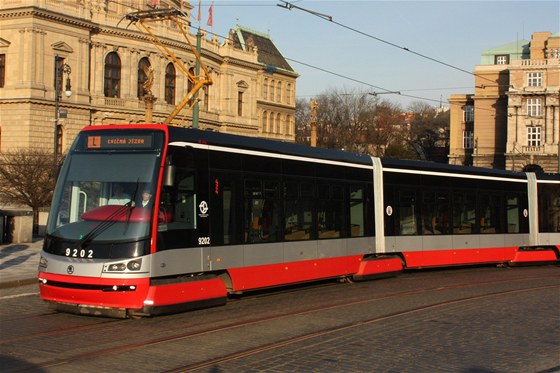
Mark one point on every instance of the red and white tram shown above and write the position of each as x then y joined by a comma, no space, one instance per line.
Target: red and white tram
228,214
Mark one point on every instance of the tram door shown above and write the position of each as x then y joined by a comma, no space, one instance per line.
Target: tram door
183,216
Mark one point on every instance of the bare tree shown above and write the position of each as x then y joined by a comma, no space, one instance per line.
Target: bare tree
28,177
354,121
429,134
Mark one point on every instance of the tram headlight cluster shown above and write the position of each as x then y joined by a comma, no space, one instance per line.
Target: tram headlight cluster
131,265
43,262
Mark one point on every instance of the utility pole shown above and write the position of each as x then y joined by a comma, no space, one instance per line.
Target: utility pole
60,68
313,122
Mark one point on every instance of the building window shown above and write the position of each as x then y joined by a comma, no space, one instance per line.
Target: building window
468,113
112,75
265,122
288,93
2,69
265,89
271,90
170,84
278,123
533,136
468,139
534,107
240,103
143,70
279,91
502,59
534,79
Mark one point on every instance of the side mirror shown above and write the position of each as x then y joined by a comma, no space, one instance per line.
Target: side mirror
168,175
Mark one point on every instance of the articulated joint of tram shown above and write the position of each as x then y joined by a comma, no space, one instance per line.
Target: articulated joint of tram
375,266
536,255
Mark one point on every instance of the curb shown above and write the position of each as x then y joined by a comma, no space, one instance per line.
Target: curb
16,283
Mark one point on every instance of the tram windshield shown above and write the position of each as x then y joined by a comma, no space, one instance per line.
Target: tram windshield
106,194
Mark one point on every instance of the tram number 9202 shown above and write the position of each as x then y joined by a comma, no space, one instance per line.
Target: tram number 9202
203,241
75,253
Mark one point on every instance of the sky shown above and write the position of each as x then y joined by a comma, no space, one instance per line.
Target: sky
359,46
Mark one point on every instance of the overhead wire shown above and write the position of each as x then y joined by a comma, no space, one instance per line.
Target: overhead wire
290,5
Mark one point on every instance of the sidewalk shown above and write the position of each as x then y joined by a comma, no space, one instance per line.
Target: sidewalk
19,262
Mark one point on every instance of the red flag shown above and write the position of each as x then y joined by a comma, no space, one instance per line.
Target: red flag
210,15
199,15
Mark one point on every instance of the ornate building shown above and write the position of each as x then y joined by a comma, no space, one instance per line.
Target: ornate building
513,119
84,50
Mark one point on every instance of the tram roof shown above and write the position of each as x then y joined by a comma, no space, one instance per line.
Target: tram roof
285,148
265,145
292,149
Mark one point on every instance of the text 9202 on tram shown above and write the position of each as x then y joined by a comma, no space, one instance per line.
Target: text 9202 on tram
153,219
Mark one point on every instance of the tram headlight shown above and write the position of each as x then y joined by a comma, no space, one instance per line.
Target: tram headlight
134,265
116,267
43,262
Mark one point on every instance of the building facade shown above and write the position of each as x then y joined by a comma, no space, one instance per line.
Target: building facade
86,48
512,119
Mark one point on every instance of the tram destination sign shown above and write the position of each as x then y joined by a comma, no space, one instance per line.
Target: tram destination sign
118,141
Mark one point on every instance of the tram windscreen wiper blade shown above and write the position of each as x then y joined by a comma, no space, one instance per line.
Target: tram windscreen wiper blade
131,205
103,225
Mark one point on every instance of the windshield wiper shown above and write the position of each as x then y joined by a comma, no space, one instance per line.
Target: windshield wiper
103,225
131,205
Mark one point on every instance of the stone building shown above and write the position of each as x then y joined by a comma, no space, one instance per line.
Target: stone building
512,120
99,58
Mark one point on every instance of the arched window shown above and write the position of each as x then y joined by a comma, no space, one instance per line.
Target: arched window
170,84
265,89
112,75
271,90
264,122
143,66
278,129
288,93
279,92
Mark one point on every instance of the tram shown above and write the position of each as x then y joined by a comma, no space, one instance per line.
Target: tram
156,219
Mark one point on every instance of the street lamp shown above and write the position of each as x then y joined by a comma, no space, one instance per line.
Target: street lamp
60,68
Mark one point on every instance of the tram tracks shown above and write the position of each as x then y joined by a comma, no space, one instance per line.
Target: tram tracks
182,337
214,363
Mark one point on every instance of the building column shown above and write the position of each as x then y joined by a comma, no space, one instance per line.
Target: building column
129,74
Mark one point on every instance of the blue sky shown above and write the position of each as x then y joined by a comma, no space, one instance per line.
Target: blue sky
453,32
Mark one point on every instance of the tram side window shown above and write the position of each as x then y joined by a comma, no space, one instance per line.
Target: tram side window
330,211
464,213
435,213
407,212
262,210
489,213
357,211
298,202
513,214
549,208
